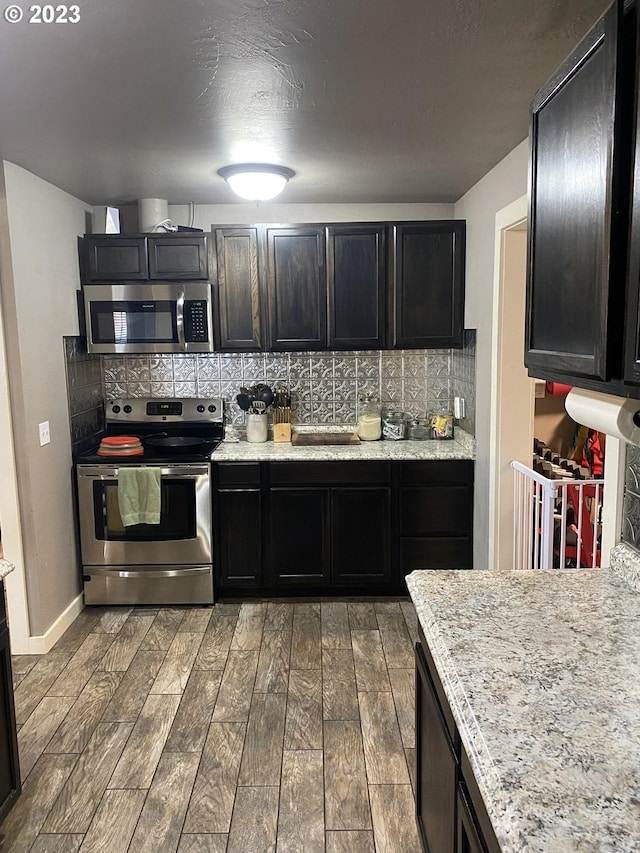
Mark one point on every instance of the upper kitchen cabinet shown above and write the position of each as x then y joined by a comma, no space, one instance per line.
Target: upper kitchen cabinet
240,289
144,257
297,288
428,284
356,286
580,152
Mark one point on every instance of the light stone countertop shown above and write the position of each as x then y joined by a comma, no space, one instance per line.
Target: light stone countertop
542,672
461,447
5,568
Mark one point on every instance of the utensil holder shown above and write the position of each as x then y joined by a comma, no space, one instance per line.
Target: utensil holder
257,428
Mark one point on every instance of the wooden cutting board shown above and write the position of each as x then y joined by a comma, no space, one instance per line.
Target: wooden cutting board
318,439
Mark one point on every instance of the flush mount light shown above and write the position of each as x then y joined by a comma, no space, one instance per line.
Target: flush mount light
256,181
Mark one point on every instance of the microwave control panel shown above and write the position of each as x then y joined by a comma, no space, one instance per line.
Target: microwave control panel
196,329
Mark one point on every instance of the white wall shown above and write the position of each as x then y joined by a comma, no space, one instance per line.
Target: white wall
39,307
505,183
207,215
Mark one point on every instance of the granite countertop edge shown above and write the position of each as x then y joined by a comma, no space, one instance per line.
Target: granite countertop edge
462,446
5,568
496,802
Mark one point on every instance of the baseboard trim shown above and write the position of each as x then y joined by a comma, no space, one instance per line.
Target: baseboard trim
40,645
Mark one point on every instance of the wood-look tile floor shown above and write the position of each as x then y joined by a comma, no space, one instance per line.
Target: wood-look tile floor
246,728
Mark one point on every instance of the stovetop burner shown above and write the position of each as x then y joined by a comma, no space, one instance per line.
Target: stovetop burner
172,419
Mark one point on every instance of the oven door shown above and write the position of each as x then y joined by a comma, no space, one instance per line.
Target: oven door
182,538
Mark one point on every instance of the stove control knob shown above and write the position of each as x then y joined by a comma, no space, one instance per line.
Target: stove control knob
115,409
200,408
212,408
127,410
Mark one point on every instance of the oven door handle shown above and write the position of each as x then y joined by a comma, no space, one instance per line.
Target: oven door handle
180,322
147,573
183,473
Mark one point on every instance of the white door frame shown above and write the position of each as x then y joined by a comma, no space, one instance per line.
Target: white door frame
512,217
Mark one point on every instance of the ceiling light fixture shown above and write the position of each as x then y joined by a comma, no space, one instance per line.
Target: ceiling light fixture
256,181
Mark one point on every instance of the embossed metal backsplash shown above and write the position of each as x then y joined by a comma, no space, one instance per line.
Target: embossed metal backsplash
631,505
325,387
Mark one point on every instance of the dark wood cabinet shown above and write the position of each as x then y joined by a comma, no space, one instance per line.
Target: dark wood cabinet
298,542
175,257
578,212
353,527
436,767
328,287
144,257
428,284
297,289
238,508
360,534
240,315
436,515
356,286
9,765
115,259
450,812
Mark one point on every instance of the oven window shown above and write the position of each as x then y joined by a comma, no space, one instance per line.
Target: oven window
133,322
177,513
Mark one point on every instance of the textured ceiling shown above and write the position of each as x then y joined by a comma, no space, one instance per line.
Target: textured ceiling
368,100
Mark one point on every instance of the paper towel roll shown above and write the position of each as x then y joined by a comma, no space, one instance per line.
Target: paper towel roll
616,416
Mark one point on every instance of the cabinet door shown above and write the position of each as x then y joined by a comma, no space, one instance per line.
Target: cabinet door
115,259
356,281
239,537
632,349
429,284
240,326
297,288
299,535
468,836
9,769
360,534
577,216
176,257
436,767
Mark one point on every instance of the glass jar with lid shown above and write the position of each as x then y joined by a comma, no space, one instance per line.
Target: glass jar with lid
393,426
369,419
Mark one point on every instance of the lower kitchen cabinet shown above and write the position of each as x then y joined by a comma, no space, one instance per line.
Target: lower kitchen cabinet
9,766
450,812
357,527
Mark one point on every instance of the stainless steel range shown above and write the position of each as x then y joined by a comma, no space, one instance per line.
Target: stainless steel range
171,561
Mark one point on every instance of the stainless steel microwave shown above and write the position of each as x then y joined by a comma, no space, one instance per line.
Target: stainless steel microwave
158,317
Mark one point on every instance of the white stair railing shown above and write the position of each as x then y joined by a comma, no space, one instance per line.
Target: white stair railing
557,523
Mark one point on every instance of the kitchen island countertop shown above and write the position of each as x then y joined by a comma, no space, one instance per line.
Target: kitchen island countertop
542,672
5,568
461,447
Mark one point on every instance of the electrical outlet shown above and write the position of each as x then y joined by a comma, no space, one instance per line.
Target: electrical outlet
45,435
458,407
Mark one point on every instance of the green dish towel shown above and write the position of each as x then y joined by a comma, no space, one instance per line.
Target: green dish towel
139,495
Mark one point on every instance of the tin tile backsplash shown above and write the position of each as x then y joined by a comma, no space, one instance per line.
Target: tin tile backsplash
84,393
631,504
325,386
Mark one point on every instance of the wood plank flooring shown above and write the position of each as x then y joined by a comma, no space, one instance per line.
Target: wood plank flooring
264,726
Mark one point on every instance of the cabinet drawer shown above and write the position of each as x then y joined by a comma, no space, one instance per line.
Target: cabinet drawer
348,473
436,510
238,473
455,471
437,552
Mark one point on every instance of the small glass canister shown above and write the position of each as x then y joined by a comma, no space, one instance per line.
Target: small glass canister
393,426
441,425
369,420
417,430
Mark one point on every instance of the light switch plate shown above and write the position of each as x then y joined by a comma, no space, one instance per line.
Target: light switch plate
45,434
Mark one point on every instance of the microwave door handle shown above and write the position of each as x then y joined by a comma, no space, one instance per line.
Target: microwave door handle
180,321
